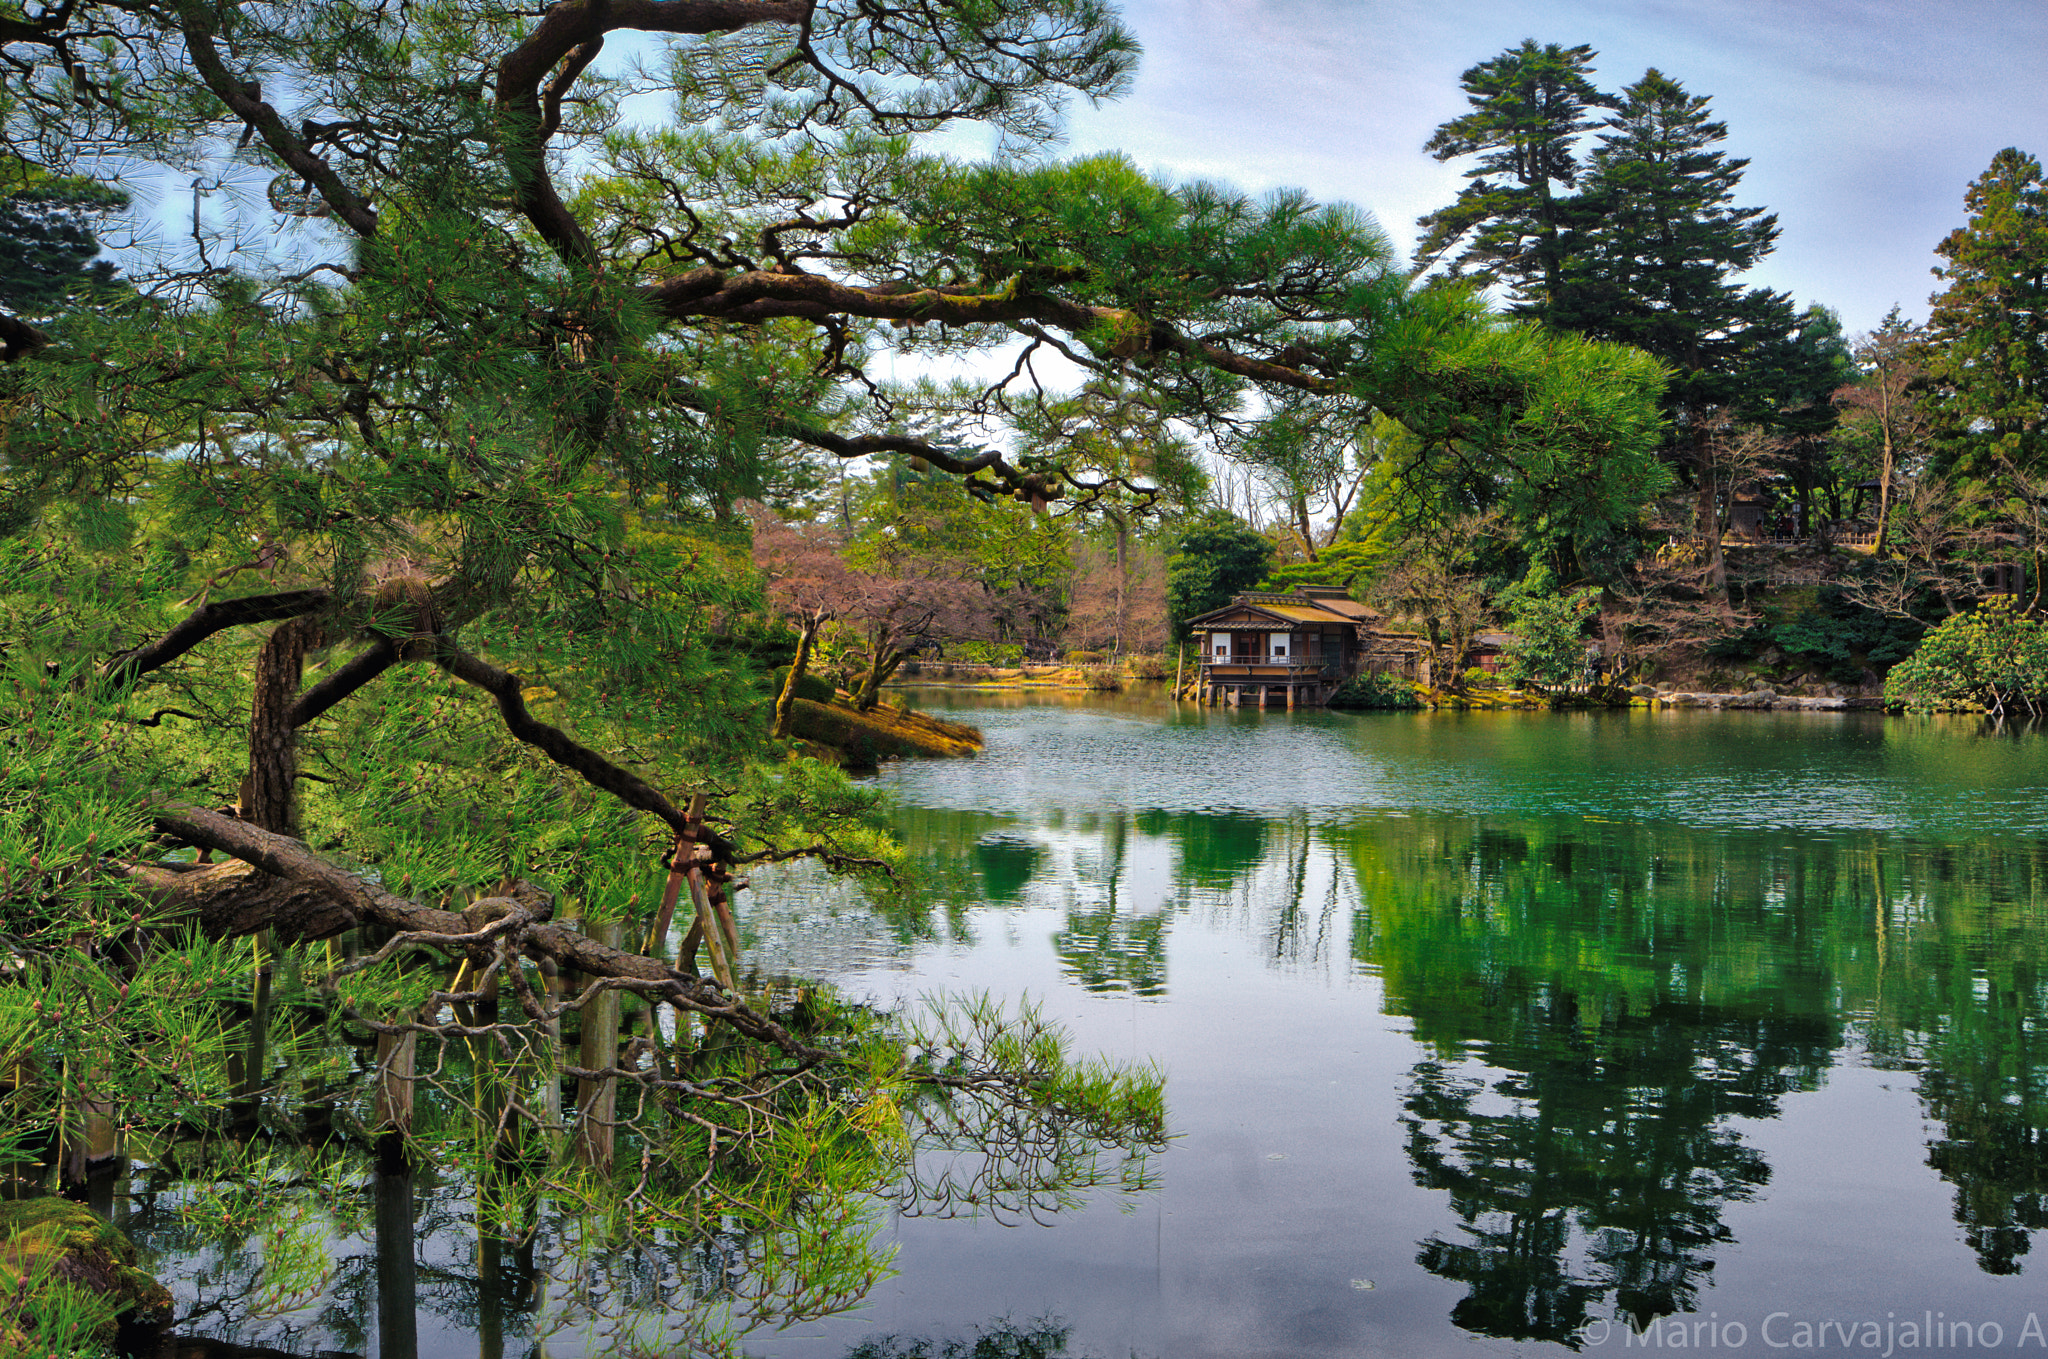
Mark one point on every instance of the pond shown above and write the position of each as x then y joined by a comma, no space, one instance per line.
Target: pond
1724,1028
1603,1031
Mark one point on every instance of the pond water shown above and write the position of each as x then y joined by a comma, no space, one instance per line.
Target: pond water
1509,1029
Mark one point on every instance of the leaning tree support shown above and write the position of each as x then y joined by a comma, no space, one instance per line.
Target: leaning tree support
309,896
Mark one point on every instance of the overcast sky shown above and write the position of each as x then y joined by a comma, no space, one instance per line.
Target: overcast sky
1863,120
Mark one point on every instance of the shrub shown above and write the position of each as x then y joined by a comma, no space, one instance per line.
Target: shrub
1993,658
1822,631
1375,690
1084,658
1146,667
1552,649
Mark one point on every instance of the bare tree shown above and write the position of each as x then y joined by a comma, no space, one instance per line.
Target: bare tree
1118,607
895,616
1883,412
809,584
1434,585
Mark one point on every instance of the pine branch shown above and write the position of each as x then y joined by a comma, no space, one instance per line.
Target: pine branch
203,622
283,857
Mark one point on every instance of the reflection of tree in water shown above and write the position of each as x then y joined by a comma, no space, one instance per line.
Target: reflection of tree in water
1106,951
1216,848
1007,865
1045,1338
1627,996
1609,1128
1965,1002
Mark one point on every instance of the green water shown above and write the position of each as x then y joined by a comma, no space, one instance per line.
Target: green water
1701,1028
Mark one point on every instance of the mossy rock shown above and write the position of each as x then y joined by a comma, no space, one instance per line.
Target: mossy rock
864,740
69,1262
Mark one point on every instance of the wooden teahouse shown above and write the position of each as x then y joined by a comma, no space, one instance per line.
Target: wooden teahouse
1267,648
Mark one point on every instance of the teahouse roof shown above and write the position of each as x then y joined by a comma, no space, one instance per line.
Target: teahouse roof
1323,606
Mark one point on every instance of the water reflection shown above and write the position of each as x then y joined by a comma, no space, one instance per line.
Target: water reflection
1608,961
1599,1009
1620,947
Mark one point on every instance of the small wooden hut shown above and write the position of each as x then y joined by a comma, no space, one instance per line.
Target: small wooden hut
1282,649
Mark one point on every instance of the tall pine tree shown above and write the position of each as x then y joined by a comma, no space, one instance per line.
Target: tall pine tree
1529,106
1654,264
1987,353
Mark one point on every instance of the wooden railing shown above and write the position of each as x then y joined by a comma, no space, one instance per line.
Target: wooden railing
1281,669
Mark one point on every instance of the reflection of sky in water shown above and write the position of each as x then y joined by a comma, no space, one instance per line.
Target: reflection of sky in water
1618,977
1699,768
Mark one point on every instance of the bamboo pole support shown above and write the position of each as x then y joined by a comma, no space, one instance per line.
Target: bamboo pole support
713,932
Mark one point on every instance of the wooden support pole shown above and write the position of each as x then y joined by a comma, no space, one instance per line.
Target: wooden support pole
712,931
597,1099
678,865
396,1055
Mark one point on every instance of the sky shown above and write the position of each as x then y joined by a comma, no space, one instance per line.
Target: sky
1863,120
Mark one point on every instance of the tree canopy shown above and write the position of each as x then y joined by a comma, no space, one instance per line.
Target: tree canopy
1988,328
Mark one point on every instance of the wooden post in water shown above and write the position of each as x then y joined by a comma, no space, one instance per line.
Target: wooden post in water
597,1099
1180,665
391,1113
397,1269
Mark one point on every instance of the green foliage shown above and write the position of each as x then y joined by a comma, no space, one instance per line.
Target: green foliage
1044,1338
1826,632
1662,246
1987,345
49,257
1213,560
1375,689
1565,449
1993,658
1529,106
1552,630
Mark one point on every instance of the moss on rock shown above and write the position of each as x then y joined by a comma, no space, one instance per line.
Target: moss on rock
61,1265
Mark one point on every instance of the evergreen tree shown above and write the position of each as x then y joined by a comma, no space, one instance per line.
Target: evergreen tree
1655,267
49,254
1795,384
1654,262
1217,557
1987,349
1529,106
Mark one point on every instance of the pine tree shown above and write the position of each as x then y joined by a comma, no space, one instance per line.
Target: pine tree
1987,350
1654,261
1654,266
1529,106
49,254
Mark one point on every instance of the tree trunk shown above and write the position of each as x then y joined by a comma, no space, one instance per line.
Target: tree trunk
886,663
231,899
1123,582
1707,517
270,789
1884,476
785,702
